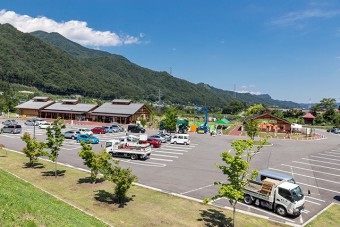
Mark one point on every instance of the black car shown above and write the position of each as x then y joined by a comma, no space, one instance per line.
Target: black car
136,129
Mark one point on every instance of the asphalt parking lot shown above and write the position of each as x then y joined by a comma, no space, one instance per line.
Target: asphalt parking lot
189,170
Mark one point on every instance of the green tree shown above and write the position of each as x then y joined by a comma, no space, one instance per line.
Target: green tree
254,109
233,107
122,178
277,113
319,119
328,103
34,149
170,120
252,128
95,162
55,140
329,115
236,170
143,122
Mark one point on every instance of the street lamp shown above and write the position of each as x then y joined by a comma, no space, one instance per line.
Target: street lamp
71,119
34,120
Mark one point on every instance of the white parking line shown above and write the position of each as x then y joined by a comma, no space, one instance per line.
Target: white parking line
312,202
335,182
316,199
335,153
338,164
151,164
69,149
165,152
159,159
311,170
180,147
169,149
304,163
305,211
336,150
331,155
325,158
162,155
319,187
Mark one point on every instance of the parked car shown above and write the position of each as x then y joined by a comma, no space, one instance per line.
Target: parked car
336,131
11,129
152,142
165,135
136,129
72,134
158,137
31,123
10,122
87,139
108,129
118,128
85,131
180,139
98,130
332,129
39,121
45,125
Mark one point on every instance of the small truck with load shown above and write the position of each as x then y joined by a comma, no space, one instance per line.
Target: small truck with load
281,197
128,148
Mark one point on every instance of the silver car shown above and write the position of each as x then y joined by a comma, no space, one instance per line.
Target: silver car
10,122
11,129
31,123
72,134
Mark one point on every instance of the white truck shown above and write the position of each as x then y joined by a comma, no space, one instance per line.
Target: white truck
127,149
280,196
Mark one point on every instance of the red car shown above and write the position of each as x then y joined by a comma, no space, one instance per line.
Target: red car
98,130
152,142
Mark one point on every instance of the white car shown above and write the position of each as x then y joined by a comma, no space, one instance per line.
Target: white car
84,131
45,125
181,139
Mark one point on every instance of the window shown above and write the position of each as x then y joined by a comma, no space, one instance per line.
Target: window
285,193
108,144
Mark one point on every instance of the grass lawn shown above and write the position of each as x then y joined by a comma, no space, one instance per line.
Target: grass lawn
145,207
329,218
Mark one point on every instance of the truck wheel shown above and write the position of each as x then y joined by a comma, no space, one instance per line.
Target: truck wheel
134,156
247,200
280,210
72,137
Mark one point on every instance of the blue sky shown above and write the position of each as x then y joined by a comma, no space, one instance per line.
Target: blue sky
288,49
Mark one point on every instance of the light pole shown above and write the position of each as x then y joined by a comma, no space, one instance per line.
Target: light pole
34,120
71,119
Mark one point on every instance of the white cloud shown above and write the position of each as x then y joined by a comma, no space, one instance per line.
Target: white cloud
250,92
77,31
293,17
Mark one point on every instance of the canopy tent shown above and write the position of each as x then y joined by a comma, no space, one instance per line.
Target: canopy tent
222,122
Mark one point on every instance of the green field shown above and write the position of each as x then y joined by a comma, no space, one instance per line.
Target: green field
329,218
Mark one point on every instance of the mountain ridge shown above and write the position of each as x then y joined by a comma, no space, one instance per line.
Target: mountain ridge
55,64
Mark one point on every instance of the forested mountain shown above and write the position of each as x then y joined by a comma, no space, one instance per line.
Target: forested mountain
54,64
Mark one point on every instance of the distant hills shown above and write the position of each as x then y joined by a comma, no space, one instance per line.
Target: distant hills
56,65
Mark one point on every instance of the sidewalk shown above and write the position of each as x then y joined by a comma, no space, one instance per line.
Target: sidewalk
235,131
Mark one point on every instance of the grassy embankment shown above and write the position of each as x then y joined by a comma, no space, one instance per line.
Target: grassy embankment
24,205
329,218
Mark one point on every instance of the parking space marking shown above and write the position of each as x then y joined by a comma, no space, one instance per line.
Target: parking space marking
316,199
335,182
312,202
332,154
151,164
325,189
159,159
180,147
326,167
325,158
69,149
162,155
311,170
308,159
166,152
305,211
170,149
336,150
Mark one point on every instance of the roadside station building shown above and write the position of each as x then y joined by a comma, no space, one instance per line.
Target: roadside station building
270,123
308,119
122,111
68,109
33,107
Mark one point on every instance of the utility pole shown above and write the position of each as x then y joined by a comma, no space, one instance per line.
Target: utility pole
159,100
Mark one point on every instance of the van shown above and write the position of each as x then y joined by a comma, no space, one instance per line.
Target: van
136,129
11,129
180,139
266,173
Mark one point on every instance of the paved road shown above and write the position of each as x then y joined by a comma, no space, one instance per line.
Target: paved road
190,170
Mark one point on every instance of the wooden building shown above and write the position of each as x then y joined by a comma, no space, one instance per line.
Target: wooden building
308,119
33,107
122,111
270,123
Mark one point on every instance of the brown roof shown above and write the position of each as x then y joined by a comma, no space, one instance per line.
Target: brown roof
309,115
